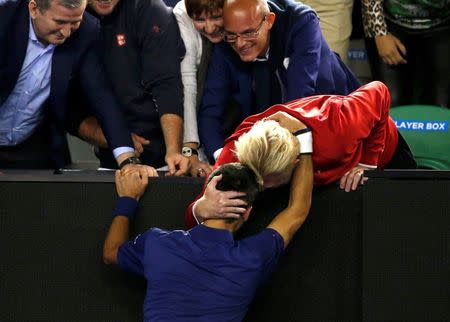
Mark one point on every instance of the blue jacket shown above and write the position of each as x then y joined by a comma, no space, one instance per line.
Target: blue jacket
300,60
74,60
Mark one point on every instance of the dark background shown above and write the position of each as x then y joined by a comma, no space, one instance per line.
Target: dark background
380,253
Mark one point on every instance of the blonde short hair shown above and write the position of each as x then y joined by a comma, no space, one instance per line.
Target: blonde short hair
268,149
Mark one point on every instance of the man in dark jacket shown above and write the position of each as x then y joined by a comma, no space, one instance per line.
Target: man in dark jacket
276,53
141,49
45,46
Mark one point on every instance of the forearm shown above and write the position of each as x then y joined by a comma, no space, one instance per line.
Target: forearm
172,126
292,218
91,131
373,18
117,235
301,186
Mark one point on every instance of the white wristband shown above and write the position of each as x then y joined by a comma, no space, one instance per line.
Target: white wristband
305,139
199,221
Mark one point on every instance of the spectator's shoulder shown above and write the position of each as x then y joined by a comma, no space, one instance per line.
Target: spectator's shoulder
9,10
87,32
289,8
153,8
291,17
89,23
10,4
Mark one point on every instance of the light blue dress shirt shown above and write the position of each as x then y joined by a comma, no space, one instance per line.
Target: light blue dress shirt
22,112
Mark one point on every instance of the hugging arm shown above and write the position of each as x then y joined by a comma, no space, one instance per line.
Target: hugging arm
288,221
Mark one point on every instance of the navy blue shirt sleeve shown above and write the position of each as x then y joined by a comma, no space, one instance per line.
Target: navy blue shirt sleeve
95,86
162,50
305,58
130,256
269,245
216,94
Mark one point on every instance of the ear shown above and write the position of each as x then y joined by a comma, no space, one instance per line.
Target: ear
246,214
271,16
33,9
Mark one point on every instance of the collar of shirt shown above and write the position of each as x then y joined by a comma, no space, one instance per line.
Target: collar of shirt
265,58
202,232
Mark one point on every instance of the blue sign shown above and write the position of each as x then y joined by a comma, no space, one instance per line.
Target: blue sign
410,125
357,54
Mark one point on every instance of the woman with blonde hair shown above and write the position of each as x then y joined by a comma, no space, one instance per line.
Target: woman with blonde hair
351,134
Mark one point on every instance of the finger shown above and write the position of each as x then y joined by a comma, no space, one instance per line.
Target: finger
343,181
349,182
274,117
401,47
231,215
178,167
201,169
143,141
225,203
142,172
139,148
171,167
151,172
184,165
356,180
232,194
179,173
200,172
193,172
212,184
144,176
398,58
140,139
387,60
237,204
364,180
127,169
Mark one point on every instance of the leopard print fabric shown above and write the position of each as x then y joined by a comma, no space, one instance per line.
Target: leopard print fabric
373,18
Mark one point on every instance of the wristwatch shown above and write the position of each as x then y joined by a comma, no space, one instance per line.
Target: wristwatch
187,151
132,160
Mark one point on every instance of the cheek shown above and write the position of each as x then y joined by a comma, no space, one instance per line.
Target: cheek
198,26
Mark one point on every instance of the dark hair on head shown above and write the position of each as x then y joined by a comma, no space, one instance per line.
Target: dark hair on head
195,8
237,177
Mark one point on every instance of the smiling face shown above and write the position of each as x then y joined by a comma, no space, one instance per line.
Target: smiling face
247,29
55,24
210,25
103,7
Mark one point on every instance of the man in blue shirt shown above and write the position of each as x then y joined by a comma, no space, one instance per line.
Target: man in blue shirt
275,53
45,46
204,274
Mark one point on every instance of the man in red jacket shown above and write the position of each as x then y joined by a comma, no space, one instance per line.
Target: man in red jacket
351,134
